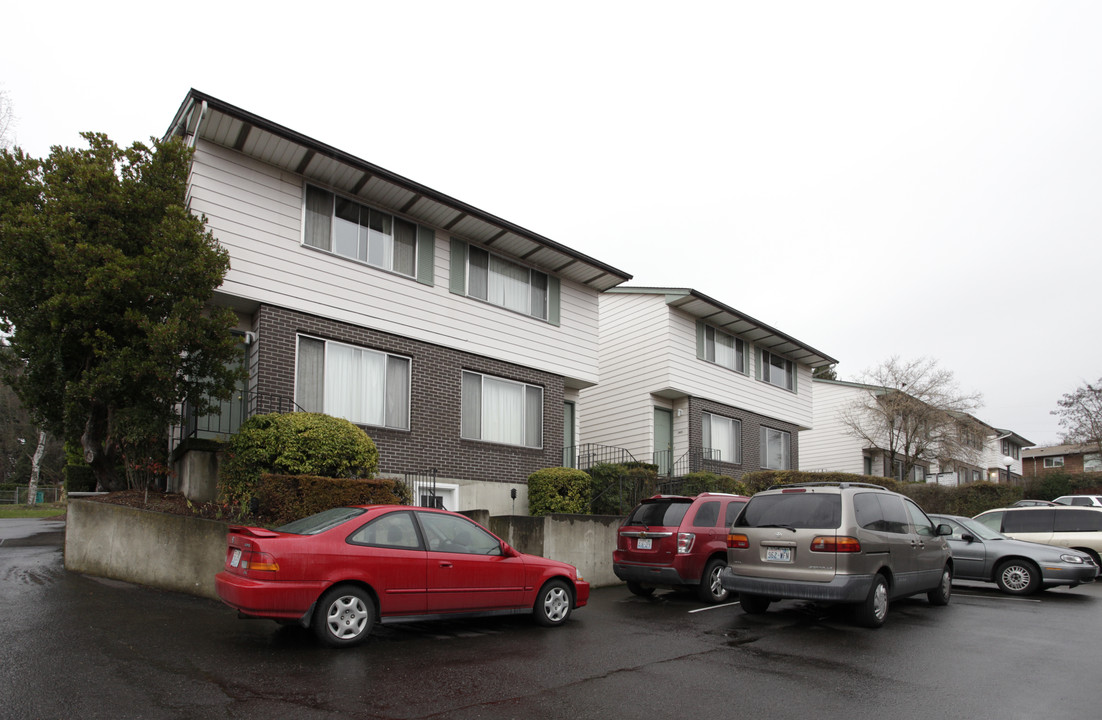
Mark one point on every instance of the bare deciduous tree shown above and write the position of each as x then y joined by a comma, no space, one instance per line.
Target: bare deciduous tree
914,413
7,120
1080,414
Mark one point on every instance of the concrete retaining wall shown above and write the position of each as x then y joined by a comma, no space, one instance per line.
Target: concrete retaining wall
184,554
160,550
584,541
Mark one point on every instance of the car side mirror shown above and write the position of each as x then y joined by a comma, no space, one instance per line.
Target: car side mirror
944,529
968,537
508,551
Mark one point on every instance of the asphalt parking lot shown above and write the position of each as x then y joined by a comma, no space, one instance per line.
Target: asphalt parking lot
76,646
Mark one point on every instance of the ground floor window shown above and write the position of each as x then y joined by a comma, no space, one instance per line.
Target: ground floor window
776,449
502,411
723,436
364,386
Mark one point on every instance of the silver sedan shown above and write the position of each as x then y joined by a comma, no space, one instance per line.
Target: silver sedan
1016,566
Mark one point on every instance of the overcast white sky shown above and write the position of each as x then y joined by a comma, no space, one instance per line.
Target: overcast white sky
872,178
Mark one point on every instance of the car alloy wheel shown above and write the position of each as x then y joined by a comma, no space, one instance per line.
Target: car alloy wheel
553,604
344,616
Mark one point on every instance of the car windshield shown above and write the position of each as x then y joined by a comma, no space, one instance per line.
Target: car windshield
660,513
793,510
321,522
979,529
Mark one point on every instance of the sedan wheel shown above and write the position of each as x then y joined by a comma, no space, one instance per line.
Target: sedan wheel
553,604
344,616
1018,577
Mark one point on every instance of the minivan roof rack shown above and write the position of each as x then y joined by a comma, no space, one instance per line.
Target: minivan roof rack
829,484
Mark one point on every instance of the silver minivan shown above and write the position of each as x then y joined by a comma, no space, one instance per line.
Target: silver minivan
848,542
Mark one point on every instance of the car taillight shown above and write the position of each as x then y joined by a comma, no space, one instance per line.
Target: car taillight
685,542
740,542
837,544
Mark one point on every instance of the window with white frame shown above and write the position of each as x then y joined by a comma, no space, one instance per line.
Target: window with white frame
366,387
1054,462
777,370
1092,462
723,436
1011,449
723,349
347,228
505,283
501,411
776,452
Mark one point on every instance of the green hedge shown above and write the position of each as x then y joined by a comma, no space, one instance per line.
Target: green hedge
614,488
558,490
293,444
280,499
704,481
79,478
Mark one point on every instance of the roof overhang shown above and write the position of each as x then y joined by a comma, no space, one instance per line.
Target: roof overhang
732,321
206,117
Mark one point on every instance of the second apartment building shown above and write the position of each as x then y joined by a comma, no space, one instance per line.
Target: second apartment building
689,383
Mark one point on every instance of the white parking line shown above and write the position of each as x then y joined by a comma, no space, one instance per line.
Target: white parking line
995,597
713,607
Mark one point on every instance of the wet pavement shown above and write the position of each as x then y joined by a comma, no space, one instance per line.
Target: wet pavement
73,646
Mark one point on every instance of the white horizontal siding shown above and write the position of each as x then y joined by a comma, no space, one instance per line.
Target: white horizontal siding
619,410
702,379
829,445
255,211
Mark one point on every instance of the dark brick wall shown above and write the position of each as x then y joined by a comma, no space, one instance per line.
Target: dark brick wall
433,438
751,435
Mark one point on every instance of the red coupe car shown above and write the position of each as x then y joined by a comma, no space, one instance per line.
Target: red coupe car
342,570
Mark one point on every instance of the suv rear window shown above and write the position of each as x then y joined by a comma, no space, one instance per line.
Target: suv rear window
793,510
660,513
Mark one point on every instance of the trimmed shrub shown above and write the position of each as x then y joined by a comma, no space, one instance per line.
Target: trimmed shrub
293,444
704,481
558,490
616,487
280,499
79,478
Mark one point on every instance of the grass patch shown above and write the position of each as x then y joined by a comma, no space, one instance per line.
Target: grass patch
34,511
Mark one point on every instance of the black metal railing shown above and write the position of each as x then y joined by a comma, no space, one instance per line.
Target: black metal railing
231,413
583,457
697,459
422,489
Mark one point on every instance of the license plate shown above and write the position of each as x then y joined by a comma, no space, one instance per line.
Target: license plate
644,544
778,554
235,558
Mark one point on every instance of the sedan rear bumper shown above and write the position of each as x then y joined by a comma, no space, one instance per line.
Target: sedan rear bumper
842,589
268,599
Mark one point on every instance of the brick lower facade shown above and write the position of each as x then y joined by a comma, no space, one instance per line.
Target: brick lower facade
751,435
433,440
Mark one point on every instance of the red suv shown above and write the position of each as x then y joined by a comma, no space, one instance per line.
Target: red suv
677,542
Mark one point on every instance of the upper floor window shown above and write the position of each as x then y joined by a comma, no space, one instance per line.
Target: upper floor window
364,386
778,371
1054,462
776,452
1011,449
723,436
723,349
501,411
480,274
501,282
356,231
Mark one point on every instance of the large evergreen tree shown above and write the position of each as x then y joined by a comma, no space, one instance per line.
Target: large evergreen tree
105,287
